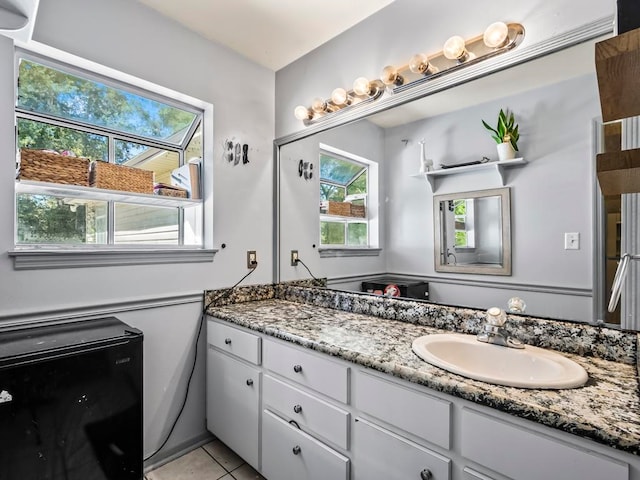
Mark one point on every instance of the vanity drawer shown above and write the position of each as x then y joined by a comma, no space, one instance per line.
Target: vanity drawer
232,340
517,452
471,474
379,453
412,411
309,412
313,371
289,453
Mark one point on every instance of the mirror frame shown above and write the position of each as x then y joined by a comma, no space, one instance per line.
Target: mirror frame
505,214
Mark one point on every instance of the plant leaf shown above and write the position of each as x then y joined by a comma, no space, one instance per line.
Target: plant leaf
488,127
502,128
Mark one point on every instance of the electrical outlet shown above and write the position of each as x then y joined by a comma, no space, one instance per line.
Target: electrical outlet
294,258
252,259
572,241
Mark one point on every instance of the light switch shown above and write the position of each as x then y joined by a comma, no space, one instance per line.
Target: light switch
572,241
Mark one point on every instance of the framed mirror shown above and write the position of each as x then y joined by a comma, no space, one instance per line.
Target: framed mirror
472,232
551,194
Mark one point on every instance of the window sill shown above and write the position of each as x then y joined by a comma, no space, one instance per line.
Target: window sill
36,259
348,252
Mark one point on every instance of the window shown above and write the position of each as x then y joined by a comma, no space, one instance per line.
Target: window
346,207
102,163
463,212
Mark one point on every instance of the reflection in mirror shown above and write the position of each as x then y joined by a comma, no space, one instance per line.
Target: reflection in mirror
473,232
551,195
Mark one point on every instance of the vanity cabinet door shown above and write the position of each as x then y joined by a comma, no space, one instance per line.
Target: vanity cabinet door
527,455
379,453
233,404
422,415
290,454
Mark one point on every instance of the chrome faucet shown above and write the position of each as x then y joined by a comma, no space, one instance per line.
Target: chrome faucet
494,333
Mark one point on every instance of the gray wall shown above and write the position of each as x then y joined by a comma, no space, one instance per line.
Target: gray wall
129,37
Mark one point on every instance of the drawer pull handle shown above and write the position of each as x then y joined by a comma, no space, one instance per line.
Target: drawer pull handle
297,368
296,450
297,408
295,424
249,382
227,341
426,474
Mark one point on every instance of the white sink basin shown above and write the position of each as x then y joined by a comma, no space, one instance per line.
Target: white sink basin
530,367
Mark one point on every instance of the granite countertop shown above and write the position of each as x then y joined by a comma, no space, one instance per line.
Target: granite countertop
606,410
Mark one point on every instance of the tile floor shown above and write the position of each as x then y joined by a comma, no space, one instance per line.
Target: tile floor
213,461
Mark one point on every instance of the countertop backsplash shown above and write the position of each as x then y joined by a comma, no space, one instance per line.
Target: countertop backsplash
577,338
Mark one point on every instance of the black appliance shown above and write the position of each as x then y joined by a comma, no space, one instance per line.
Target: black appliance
407,289
71,401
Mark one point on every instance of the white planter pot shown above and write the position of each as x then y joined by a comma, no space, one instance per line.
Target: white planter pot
506,151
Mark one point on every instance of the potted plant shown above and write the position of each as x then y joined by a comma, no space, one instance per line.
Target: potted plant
505,134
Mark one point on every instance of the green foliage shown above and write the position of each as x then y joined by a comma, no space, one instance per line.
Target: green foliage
44,219
47,90
506,130
357,234
461,238
332,192
460,207
359,185
44,136
332,233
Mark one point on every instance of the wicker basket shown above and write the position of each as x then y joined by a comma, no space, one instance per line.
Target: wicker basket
119,177
339,208
358,211
171,192
53,168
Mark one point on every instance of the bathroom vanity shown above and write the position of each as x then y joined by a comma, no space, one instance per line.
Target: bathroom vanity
308,383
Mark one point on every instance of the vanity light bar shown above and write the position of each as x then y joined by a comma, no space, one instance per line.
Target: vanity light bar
363,92
456,54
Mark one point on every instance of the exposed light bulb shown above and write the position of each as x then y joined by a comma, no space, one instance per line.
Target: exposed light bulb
496,35
390,76
454,48
318,105
419,63
361,86
302,113
339,96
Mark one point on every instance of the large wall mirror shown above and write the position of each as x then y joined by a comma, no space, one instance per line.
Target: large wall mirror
472,232
551,195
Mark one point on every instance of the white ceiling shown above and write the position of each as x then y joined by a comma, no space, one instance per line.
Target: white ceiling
272,33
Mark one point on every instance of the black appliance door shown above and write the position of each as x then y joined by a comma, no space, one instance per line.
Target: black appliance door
73,416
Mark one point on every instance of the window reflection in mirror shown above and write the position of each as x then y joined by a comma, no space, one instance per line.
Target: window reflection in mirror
473,232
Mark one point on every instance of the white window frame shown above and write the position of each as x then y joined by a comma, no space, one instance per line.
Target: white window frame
372,208
65,256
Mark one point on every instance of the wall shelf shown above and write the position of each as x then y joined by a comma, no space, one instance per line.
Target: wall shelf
92,193
497,166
